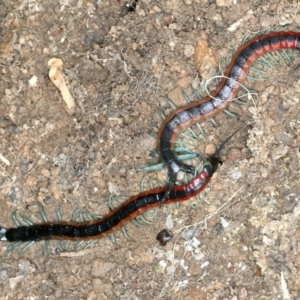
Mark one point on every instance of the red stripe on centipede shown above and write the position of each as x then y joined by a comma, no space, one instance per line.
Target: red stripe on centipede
130,209
117,218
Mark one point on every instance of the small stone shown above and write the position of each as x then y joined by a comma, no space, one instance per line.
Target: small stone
280,151
224,3
32,82
31,180
212,208
15,280
210,149
45,172
189,50
233,155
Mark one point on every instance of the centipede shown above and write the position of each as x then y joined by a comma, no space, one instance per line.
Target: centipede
219,99
119,216
177,121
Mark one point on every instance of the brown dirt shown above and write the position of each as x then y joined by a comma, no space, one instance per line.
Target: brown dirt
120,67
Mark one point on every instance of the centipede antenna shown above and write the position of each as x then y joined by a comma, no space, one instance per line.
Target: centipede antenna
125,233
11,247
217,153
26,247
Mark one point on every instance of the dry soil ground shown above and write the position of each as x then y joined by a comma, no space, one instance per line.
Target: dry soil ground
120,68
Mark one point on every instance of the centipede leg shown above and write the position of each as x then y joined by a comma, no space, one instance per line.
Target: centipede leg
187,168
171,183
173,176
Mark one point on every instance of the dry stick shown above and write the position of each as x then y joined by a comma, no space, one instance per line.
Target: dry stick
55,75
